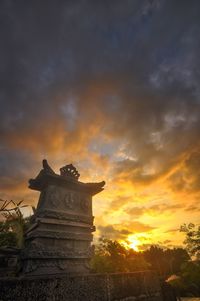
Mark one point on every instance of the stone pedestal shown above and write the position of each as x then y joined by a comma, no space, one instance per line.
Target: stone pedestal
59,239
140,286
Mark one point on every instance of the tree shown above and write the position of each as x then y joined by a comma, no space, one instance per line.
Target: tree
155,256
175,258
192,239
111,256
190,274
166,261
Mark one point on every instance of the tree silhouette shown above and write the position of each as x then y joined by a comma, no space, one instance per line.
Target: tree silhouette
192,240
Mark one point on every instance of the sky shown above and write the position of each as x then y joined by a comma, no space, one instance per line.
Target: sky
114,88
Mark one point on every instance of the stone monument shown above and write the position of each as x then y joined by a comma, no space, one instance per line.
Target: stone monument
59,238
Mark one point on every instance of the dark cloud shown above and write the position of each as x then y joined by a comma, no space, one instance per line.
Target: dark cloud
121,231
14,168
112,85
154,209
187,177
193,208
172,230
112,233
167,241
119,202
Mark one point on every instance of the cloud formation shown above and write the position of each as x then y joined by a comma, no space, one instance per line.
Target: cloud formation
111,87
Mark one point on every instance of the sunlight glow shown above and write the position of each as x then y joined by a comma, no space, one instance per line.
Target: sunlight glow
132,242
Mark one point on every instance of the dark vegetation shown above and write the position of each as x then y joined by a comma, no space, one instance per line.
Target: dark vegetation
174,265
111,256
12,224
179,266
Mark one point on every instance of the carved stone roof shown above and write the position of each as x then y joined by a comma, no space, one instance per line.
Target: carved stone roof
68,178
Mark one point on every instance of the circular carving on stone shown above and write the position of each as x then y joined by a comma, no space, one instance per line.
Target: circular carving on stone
84,204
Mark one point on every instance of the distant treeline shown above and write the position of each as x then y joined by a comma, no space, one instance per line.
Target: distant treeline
174,265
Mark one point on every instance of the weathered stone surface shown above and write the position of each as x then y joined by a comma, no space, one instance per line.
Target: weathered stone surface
59,239
65,215
63,199
111,287
9,261
145,285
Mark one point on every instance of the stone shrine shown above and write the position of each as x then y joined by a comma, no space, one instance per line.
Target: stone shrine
59,238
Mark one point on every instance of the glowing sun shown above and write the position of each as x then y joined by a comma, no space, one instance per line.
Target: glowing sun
132,243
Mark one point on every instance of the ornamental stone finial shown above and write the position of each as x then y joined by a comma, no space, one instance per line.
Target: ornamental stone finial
69,171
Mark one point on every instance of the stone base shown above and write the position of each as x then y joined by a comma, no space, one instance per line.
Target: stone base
57,246
43,267
94,287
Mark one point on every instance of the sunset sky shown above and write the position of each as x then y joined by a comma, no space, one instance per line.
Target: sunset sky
114,88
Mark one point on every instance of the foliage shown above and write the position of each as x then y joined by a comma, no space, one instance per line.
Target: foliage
7,237
192,240
166,261
111,256
172,264
189,281
14,225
